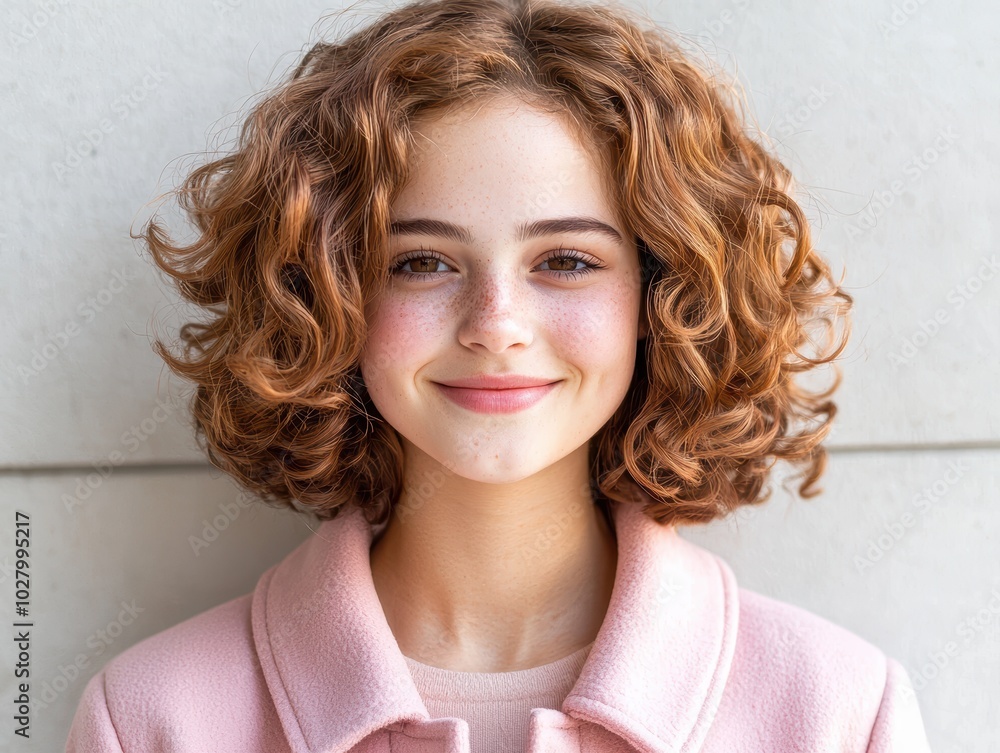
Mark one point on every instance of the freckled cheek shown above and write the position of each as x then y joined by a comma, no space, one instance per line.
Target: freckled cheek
402,337
594,333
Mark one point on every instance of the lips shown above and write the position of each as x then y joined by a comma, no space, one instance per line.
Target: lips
497,382
496,400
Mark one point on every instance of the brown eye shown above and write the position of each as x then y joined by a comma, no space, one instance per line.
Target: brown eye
422,263
566,261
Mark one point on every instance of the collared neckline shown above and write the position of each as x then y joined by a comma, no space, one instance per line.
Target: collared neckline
654,675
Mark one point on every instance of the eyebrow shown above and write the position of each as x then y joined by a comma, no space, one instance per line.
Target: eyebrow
525,230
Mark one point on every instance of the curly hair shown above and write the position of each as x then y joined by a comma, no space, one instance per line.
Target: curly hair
293,230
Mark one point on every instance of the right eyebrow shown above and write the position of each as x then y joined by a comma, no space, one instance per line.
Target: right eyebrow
525,230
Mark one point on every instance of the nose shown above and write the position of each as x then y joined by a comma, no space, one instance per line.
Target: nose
496,313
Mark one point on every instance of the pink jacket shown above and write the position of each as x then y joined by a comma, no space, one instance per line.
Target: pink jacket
685,662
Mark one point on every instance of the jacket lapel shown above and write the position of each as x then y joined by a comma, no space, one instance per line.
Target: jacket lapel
654,676
656,672
332,665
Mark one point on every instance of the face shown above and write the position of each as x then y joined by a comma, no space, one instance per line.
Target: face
494,285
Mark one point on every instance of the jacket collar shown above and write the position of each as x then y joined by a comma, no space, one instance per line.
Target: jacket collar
654,675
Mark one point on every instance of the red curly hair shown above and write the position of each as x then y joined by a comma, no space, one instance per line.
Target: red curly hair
293,231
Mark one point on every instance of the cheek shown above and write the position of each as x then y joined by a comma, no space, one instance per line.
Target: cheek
597,331
401,336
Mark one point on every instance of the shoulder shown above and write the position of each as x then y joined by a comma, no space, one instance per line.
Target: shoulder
197,681
214,647
797,673
789,644
211,650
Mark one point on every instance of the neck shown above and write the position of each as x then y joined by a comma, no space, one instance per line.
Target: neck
481,577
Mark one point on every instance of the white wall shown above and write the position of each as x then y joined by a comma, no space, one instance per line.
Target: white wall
881,109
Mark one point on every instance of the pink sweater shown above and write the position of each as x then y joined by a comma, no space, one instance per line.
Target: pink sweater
685,661
497,705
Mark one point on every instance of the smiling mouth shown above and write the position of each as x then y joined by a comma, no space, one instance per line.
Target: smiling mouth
499,381
493,400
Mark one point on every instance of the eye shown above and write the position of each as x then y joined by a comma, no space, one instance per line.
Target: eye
424,260
569,258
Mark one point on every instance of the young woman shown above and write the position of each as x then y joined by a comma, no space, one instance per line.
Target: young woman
503,293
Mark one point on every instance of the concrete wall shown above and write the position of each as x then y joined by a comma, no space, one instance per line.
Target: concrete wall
881,110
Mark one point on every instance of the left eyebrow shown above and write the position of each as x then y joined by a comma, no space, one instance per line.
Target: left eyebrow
525,230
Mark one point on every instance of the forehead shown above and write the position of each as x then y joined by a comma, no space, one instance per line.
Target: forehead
501,161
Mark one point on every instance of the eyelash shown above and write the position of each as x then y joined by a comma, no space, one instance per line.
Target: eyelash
426,253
